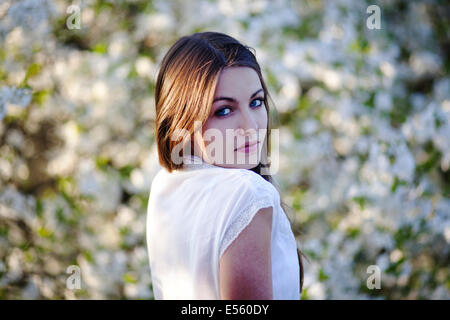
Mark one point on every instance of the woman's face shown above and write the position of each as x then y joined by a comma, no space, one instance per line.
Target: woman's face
238,117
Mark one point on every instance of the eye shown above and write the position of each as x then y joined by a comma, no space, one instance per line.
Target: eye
261,101
222,112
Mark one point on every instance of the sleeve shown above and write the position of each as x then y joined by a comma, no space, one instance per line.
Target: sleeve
249,197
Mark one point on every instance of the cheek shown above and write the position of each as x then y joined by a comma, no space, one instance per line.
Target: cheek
262,119
215,127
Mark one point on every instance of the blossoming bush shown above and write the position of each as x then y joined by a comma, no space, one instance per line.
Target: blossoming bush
364,139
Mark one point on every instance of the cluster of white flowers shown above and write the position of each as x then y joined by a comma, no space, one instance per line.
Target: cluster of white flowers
12,95
364,140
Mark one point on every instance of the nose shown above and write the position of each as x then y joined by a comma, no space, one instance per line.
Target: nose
248,125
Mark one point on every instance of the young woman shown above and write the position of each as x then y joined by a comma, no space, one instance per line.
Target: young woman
216,228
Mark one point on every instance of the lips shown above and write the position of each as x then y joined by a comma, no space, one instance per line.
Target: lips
247,144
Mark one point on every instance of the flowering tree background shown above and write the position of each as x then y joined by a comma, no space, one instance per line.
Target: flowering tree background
364,139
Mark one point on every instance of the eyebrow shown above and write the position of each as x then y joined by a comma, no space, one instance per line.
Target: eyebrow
234,100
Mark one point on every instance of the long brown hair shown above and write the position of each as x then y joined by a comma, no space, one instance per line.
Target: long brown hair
185,88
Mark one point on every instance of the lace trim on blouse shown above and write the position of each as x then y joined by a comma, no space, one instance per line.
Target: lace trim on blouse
244,219
193,162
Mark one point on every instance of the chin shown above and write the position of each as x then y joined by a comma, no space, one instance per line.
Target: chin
240,164
237,166
240,161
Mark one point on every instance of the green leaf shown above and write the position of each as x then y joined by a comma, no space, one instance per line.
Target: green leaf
129,278
125,171
41,96
361,201
44,232
100,48
322,276
32,70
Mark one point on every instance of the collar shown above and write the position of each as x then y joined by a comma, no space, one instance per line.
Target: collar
194,162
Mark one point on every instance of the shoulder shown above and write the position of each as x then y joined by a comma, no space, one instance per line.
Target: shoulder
219,184
161,181
244,180
249,194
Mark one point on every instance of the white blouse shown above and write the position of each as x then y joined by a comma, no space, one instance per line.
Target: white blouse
195,213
